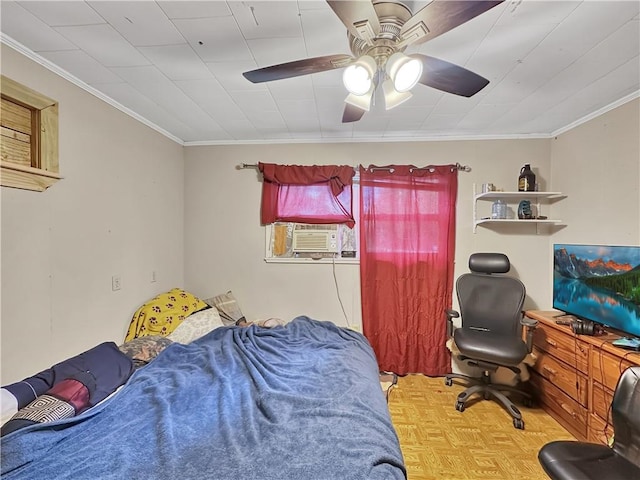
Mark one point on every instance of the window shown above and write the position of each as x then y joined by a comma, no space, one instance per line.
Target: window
393,222
318,194
29,128
290,242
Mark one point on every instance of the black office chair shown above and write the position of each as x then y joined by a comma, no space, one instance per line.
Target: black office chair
570,460
491,332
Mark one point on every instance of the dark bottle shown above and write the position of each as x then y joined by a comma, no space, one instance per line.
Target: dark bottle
527,179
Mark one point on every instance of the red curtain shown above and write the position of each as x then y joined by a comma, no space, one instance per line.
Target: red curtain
407,241
307,194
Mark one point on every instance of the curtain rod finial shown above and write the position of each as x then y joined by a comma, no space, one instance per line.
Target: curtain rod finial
242,166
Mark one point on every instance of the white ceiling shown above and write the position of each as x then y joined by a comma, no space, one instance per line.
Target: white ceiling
177,66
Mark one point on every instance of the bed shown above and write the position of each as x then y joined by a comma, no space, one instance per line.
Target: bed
300,401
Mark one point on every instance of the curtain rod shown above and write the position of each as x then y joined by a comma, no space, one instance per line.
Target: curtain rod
463,168
247,165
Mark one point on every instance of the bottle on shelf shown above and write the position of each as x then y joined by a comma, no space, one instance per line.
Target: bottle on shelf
499,209
527,179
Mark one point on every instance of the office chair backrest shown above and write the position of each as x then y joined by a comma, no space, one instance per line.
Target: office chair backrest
489,301
625,410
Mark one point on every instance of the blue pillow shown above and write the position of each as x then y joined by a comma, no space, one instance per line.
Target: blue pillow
102,369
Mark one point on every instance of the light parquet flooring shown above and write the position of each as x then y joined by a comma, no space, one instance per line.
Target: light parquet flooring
438,442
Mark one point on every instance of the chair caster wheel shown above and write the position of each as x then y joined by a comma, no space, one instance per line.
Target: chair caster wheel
460,406
448,382
518,423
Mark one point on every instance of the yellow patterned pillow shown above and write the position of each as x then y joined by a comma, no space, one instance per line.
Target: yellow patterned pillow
162,314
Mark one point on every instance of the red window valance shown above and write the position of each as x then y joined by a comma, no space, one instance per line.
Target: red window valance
307,194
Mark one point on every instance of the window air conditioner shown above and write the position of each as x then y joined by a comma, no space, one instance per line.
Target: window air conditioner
315,238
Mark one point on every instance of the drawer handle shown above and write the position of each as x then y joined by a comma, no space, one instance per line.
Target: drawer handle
550,370
568,410
551,342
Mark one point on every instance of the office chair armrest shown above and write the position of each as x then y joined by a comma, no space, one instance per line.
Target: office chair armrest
451,314
530,324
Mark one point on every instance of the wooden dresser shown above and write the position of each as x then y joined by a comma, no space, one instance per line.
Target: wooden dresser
574,376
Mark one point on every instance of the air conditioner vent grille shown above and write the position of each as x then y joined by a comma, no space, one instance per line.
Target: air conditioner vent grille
311,243
315,240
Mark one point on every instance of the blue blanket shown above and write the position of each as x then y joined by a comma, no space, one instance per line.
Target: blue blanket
299,402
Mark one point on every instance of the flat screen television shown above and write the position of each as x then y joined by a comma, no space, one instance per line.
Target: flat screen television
600,283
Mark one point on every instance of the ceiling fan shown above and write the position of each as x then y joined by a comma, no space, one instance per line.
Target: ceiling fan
378,33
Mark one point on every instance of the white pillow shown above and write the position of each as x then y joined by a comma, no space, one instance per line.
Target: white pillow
9,405
196,325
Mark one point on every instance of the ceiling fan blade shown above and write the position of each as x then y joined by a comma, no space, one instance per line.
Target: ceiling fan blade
359,17
352,113
440,16
298,68
449,78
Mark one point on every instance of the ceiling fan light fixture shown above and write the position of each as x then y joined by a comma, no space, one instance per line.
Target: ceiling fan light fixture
358,77
392,97
363,102
404,71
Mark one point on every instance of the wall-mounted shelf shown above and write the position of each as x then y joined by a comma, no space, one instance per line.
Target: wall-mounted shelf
513,198
518,195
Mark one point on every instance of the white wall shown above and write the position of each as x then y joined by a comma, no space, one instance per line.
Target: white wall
598,165
118,211
224,243
595,165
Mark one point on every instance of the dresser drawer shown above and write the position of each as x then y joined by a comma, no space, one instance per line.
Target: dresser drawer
566,378
607,368
568,412
562,345
601,399
599,431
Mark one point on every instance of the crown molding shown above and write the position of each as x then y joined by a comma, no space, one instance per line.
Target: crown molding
5,39
383,139
17,46
597,113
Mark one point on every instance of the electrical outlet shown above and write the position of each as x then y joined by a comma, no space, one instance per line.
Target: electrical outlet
116,283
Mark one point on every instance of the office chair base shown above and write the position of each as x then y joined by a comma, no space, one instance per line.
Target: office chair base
487,389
